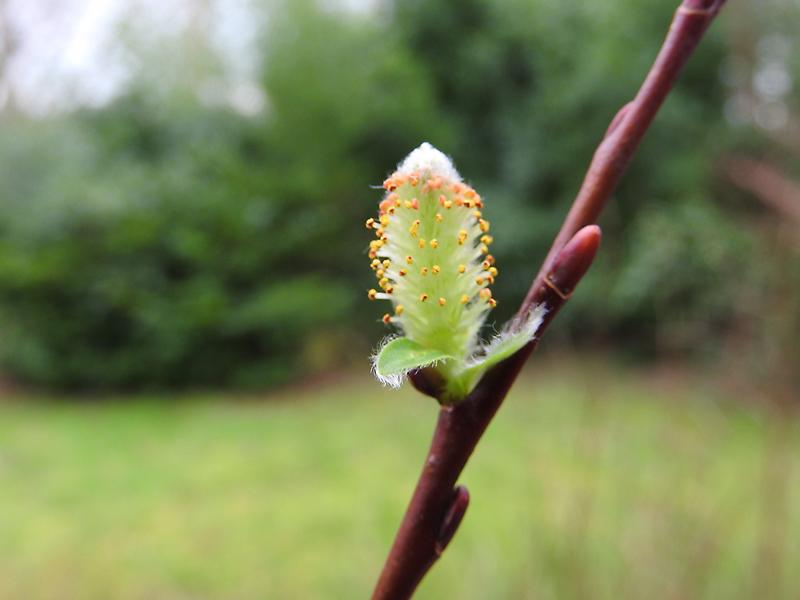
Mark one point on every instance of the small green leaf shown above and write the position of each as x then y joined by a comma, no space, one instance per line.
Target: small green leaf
402,355
511,340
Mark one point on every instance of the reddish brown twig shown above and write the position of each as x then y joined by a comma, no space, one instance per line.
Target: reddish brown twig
436,508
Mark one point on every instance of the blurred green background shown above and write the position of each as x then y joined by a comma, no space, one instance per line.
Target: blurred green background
185,408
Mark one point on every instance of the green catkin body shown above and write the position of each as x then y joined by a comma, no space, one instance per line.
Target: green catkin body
431,256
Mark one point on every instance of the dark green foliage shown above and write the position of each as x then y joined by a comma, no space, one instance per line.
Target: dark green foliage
158,241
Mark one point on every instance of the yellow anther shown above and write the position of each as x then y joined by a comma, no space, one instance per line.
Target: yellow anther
407,203
390,210
448,204
434,243
477,214
423,297
436,269
487,239
479,280
442,301
462,237
470,193
409,259
464,299
384,220
385,239
386,263
379,232
484,249
486,265
490,258
492,302
375,264
414,227
387,318
484,225
375,244
380,273
383,282
423,271
462,268
421,243
372,294
439,218
388,289
402,272
398,310
485,294
370,223
493,271
413,179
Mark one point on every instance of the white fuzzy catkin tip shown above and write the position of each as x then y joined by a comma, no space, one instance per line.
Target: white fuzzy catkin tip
428,160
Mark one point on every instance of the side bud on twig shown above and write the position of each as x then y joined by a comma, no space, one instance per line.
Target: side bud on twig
432,262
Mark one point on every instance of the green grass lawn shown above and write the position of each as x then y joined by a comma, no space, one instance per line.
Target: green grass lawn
592,483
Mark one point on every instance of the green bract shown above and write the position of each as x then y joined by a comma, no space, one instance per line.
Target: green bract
431,258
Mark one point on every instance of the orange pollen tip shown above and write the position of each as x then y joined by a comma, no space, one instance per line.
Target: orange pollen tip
436,269
386,263
423,271
464,299
487,239
442,199
477,214
486,265
435,183
380,273
388,289
493,271
383,282
409,259
462,268
414,203
470,193
448,204
459,201
402,272
479,280
490,258
371,294
398,310
434,243
492,302
407,203
413,179
442,301
387,318
384,221
484,225
485,293
423,297
369,223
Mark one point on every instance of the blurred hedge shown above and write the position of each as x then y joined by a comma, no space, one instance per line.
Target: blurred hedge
160,241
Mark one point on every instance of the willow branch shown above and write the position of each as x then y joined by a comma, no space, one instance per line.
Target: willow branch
437,507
